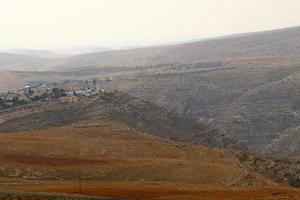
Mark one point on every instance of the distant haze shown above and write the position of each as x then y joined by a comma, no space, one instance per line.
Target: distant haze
113,23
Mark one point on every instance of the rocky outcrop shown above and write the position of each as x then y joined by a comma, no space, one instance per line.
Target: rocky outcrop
286,171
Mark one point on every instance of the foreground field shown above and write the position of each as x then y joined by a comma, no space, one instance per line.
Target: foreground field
104,158
152,190
108,150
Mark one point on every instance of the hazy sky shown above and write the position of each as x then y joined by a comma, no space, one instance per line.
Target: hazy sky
58,23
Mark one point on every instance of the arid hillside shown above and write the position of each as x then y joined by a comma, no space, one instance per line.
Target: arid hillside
107,150
34,53
12,61
287,144
246,85
253,101
139,114
109,159
115,145
278,43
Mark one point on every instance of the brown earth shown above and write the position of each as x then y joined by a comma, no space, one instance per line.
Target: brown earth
109,150
160,190
110,159
114,109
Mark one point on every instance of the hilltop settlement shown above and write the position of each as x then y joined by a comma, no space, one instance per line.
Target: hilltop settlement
49,92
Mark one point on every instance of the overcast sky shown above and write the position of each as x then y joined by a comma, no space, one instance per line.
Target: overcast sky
62,23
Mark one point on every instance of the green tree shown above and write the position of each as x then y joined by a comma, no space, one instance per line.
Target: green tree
36,98
1,103
44,96
57,93
15,101
30,92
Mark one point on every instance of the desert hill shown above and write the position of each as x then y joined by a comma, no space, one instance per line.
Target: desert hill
144,117
287,144
139,114
113,143
108,150
245,84
12,61
282,43
34,53
253,101
112,159
277,43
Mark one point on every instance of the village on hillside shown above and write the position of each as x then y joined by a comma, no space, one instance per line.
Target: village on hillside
49,92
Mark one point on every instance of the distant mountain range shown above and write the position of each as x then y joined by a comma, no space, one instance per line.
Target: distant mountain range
284,42
57,53
41,60
81,50
34,53
276,43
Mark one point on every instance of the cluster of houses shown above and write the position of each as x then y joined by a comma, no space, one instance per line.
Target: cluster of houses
20,97
47,94
73,95
11,99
